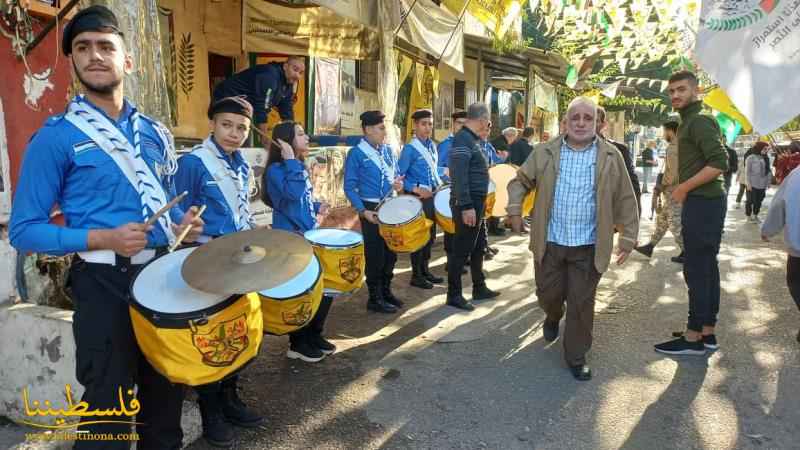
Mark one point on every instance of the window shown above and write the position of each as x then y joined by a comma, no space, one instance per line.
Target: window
367,75
459,96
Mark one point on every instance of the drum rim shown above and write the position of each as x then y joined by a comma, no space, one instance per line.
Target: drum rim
438,191
343,246
313,285
157,317
421,212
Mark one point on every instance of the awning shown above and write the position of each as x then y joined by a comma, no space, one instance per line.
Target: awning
306,30
435,31
550,66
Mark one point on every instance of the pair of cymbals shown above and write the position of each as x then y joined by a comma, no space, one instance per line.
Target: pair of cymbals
247,261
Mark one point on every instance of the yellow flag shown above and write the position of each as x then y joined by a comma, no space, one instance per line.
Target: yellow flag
719,100
497,15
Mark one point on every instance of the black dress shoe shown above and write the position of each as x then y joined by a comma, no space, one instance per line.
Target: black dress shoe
236,411
421,282
381,306
433,278
483,293
460,303
391,299
216,430
550,330
581,372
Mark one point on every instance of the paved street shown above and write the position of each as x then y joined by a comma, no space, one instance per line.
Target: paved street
440,379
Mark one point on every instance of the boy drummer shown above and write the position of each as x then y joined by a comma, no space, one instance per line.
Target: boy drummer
216,174
369,177
108,168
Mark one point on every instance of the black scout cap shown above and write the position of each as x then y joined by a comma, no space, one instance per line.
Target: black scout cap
93,18
371,118
236,105
422,114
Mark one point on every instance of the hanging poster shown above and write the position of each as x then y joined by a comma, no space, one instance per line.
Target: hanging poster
348,103
326,96
444,107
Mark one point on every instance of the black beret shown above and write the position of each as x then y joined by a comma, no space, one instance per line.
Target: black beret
459,115
422,114
93,18
236,105
371,118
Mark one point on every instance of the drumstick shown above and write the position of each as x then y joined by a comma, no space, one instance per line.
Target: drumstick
265,136
185,231
166,208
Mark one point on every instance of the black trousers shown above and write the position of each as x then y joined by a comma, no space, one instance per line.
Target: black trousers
317,324
793,278
742,190
380,260
421,257
468,243
754,199
702,220
108,360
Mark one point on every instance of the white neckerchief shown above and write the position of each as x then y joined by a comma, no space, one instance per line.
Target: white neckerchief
430,157
376,156
128,157
232,183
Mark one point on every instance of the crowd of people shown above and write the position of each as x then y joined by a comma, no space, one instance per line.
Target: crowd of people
110,168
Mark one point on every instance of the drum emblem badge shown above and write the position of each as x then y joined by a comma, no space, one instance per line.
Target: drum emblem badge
223,342
299,316
350,268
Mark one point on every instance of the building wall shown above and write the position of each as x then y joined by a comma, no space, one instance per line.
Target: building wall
448,76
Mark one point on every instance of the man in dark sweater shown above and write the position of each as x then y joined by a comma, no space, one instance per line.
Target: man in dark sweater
702,160
469,175
521,148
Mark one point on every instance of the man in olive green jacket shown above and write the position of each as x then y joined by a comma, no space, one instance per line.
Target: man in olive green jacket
583,193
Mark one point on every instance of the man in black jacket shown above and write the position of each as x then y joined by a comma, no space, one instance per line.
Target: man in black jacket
469,175
602,125
521,148
733,165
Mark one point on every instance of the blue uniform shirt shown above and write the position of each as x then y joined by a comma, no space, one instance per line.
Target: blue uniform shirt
416,168
363,179
62,165
289,188
193,176
444,150
489,151
265,87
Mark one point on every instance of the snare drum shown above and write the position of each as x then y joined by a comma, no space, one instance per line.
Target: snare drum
341,253
444,215
490,199
403,224
191,337
291,305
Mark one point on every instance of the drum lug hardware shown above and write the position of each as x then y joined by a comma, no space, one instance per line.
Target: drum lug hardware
201,321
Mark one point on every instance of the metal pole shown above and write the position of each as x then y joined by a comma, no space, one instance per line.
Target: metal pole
405,16
460,18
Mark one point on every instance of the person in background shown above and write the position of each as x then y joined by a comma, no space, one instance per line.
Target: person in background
602,126
786,160
503,142
669,215
521,148
648,162
784,214
741,173
702,160
757,177
459,118
266,86
733,166
493,158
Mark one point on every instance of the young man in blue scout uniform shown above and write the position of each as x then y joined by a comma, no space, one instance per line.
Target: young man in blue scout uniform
216,174
469,173
369,177
418,164
108,167
266,86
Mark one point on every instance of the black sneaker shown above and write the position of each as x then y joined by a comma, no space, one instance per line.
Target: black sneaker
710,342
433,278
389,298
681,346
323,344
483,293
420,282
460,303
305,352
646,250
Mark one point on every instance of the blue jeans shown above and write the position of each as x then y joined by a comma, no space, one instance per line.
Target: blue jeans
702,220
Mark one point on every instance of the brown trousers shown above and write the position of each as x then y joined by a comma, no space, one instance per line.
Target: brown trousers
568,274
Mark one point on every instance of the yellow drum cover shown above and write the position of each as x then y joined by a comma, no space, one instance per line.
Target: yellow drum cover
444,215
207,349
341,253
527,203
292,305
491,197
403,225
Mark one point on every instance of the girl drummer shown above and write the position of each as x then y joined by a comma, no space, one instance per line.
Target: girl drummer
288,189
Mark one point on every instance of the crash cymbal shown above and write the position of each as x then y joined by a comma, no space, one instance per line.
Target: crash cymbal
247,261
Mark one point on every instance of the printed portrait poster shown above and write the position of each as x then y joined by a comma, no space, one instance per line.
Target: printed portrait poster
326,98
348,99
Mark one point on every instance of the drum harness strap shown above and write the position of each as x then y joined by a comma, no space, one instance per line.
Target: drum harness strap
430,157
